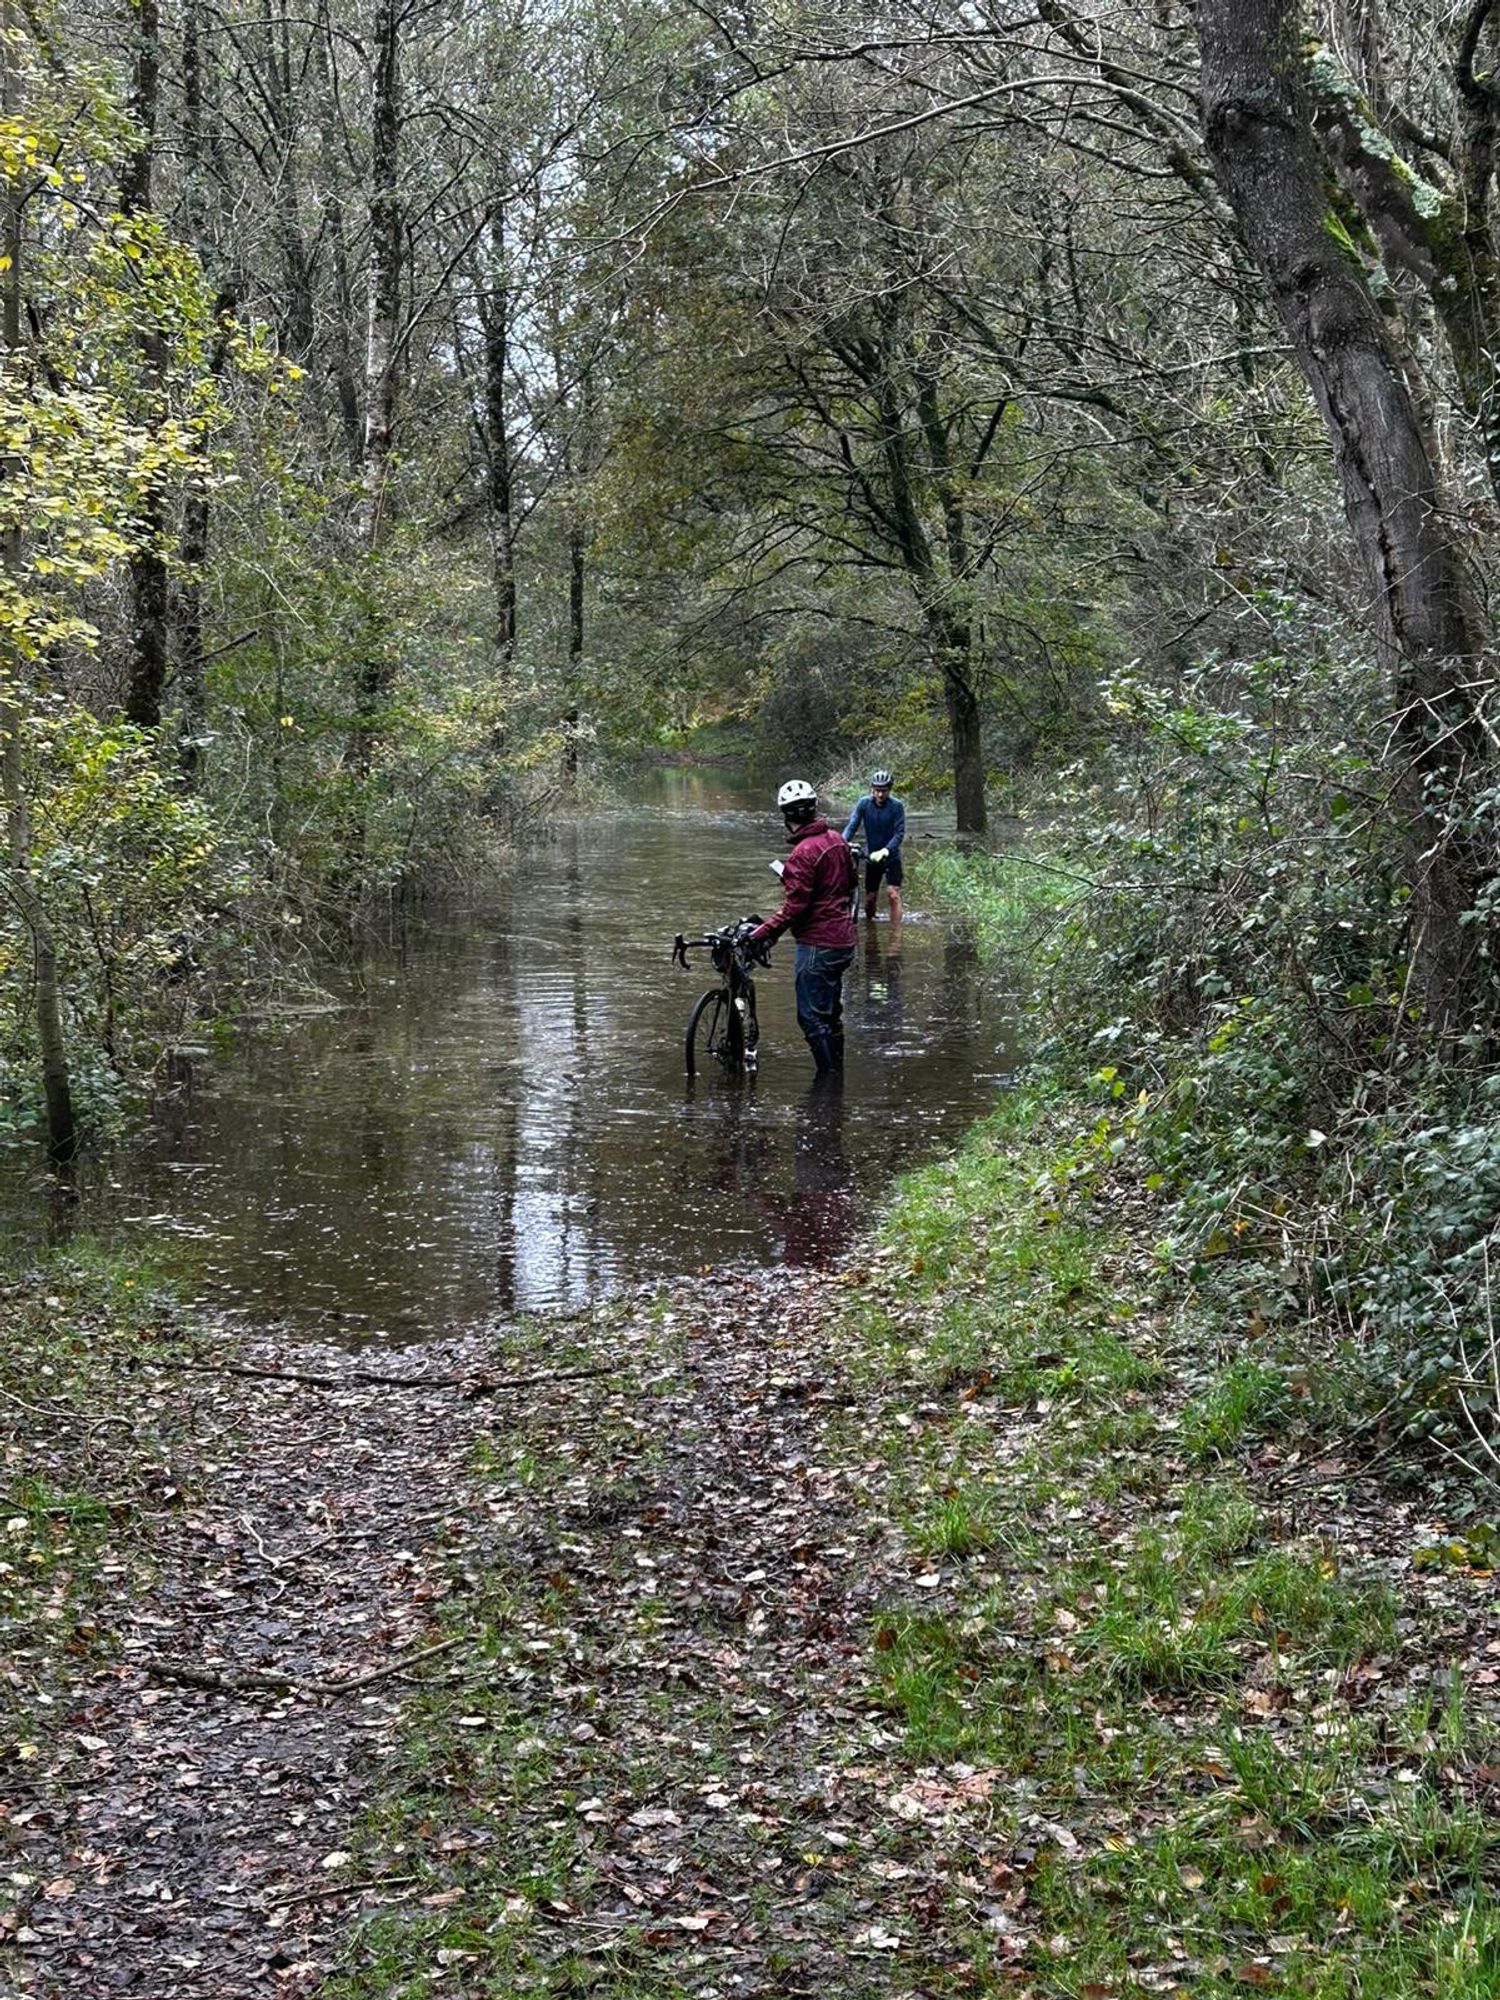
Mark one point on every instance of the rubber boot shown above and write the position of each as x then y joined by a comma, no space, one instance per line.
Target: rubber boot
836,1050
822,1060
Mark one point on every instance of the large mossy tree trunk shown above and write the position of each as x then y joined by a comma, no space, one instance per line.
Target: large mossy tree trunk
1258,123
1423,204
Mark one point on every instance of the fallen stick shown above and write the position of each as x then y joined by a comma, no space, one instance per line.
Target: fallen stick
476,1385
259,1683
337,1889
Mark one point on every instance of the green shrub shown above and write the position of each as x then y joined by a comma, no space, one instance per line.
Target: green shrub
1229,955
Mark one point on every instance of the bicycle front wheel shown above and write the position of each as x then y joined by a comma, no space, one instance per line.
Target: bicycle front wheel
751,1027
705,1028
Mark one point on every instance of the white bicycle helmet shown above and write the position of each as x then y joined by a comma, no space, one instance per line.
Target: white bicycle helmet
881,780
796,792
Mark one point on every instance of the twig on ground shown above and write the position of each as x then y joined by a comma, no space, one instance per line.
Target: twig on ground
264,1683
475,1385
338,1889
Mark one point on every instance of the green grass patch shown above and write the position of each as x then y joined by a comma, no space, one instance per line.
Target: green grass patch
1248,1399
1002,901
1173,1619
84,1459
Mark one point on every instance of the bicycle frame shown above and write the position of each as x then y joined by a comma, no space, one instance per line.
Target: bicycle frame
723,1017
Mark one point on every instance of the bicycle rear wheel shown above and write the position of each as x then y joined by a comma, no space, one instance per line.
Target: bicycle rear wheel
705,1028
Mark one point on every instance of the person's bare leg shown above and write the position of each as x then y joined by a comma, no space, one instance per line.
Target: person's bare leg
895,901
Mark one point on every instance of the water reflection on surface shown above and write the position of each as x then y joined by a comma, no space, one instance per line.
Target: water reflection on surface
498,1115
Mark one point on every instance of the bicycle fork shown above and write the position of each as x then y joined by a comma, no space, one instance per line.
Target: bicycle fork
747,1040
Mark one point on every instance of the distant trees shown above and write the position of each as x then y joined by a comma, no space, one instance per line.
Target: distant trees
955,244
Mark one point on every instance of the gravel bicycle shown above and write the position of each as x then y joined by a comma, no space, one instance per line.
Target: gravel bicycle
722,1026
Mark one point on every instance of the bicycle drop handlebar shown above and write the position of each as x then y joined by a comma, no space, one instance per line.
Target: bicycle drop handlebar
733,937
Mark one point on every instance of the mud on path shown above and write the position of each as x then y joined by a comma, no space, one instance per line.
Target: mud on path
169,1834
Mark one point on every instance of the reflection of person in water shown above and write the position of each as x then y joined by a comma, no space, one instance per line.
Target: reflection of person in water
743,1152
813,1219
884,1011
821,1214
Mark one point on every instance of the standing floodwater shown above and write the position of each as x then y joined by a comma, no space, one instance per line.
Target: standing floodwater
498,1116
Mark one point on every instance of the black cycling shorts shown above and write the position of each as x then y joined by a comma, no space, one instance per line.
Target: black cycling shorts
888,870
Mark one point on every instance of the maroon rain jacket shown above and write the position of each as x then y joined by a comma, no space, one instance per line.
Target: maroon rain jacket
819,886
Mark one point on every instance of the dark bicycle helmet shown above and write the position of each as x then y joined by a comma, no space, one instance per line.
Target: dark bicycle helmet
881,780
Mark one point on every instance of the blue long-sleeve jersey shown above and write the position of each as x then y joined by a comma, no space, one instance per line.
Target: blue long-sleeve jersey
885,826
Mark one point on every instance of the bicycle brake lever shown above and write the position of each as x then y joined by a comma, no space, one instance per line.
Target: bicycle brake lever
679,949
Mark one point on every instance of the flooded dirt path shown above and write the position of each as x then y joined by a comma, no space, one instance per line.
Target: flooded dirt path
492,1115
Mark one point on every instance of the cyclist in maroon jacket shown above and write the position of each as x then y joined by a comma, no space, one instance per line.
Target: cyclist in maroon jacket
818,881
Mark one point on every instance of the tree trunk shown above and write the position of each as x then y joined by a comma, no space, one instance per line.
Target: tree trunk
955,636
1444,238
385,273
1257,120
148,564
494,313
952,640
953,646
383,298
192,720
577,576
341,340
296,327
187,604
62,1132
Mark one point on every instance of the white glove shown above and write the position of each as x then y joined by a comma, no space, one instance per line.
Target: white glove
880,854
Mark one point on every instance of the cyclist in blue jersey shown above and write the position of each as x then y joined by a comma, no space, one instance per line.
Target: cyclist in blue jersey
883,817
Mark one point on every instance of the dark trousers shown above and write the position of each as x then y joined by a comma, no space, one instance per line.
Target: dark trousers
820,1002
